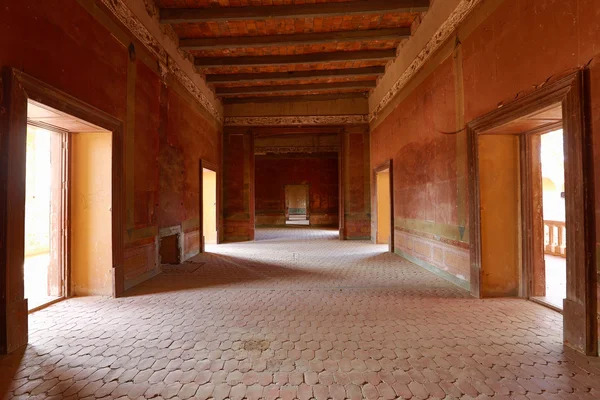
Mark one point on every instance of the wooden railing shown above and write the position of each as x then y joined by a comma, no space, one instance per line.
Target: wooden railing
555,238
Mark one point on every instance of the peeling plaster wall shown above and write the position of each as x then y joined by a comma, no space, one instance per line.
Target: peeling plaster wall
508,48
80,48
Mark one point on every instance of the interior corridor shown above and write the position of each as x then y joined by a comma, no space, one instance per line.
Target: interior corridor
297,314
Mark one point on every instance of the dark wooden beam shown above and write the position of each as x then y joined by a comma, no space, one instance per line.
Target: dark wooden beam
295,88
285,99
338,56
241,42
261,13
217,79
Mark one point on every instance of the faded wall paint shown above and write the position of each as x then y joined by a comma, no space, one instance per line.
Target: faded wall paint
507,48
102,64
238,186
356,179
320,172
91,203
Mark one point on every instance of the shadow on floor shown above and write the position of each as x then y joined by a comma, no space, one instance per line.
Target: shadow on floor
208,270
9,365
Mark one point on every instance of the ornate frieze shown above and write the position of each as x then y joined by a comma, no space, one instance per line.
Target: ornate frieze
295,149
167,64
297,120
459,14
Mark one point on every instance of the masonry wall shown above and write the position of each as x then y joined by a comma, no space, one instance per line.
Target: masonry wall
78,47
505,49
320,172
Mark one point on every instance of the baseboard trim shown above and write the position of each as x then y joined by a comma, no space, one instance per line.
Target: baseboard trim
435,270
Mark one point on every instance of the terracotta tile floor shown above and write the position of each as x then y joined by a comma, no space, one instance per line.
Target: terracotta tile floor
297,314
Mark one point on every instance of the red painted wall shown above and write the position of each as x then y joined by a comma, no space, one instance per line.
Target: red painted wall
62,44
272,173
356,178
513,48
238,186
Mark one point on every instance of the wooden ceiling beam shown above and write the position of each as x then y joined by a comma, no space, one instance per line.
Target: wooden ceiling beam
295,88
242,42
303,59
285,99
217,79
262,13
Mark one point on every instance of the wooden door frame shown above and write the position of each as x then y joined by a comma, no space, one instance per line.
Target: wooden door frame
572,92
215,168
382,167
17,88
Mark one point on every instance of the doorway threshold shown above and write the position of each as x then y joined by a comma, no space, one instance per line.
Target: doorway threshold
549,302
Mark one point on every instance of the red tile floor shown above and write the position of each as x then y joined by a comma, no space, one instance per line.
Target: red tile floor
297,314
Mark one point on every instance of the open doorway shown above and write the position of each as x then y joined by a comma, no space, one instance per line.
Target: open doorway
384,222
68,229
209,208
28,102
297,210
513,151
549,283
44,216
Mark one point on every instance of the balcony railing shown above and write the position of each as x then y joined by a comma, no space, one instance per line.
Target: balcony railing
555,238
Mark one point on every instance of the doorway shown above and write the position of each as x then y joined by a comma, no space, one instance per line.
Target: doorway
30,102
548,284
297,209
507,235
44,216
209,207
383,232
68,230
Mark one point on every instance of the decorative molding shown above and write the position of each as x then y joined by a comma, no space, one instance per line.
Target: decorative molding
298,120
460,13
295,149
166,63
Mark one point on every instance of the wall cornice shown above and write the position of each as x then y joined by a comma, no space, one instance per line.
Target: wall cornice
446,29
170,60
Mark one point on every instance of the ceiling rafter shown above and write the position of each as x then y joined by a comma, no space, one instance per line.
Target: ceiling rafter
217,79
366,85
261,13
242,42
338,56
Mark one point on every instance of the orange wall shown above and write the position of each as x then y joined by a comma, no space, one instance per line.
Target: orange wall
383,207
81,49
91,202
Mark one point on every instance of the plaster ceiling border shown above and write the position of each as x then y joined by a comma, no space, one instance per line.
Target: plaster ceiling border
298,120
166,61
460,13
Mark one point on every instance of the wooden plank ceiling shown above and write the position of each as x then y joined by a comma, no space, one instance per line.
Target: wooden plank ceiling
279,50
